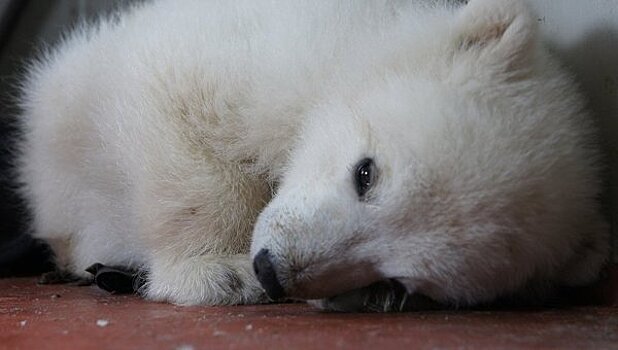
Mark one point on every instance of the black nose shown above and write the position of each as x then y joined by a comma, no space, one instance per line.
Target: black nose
265,272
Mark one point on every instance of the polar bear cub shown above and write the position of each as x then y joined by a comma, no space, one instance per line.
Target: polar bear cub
359,141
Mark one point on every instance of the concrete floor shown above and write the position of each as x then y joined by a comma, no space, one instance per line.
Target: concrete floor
62,317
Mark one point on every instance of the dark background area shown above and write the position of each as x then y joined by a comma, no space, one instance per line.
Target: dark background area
19,254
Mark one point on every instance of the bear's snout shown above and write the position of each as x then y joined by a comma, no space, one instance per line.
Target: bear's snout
267,276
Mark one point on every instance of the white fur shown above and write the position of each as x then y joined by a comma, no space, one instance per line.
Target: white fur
154,140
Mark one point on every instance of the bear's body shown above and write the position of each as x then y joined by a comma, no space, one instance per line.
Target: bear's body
155,139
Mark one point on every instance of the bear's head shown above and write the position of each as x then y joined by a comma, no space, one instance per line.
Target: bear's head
461,167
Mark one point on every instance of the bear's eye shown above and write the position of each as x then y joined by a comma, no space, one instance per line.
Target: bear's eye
364,176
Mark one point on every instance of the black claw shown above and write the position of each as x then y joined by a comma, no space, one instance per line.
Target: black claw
92,269
116,280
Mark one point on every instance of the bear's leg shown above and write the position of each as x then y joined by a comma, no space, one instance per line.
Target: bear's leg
197,226
204,280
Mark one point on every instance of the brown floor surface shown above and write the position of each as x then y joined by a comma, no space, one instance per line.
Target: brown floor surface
61,317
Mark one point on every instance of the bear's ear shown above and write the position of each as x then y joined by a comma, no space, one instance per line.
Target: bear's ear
500,33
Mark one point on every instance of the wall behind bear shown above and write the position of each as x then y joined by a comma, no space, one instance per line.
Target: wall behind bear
584,34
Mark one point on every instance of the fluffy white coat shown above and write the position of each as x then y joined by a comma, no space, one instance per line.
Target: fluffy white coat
155,138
